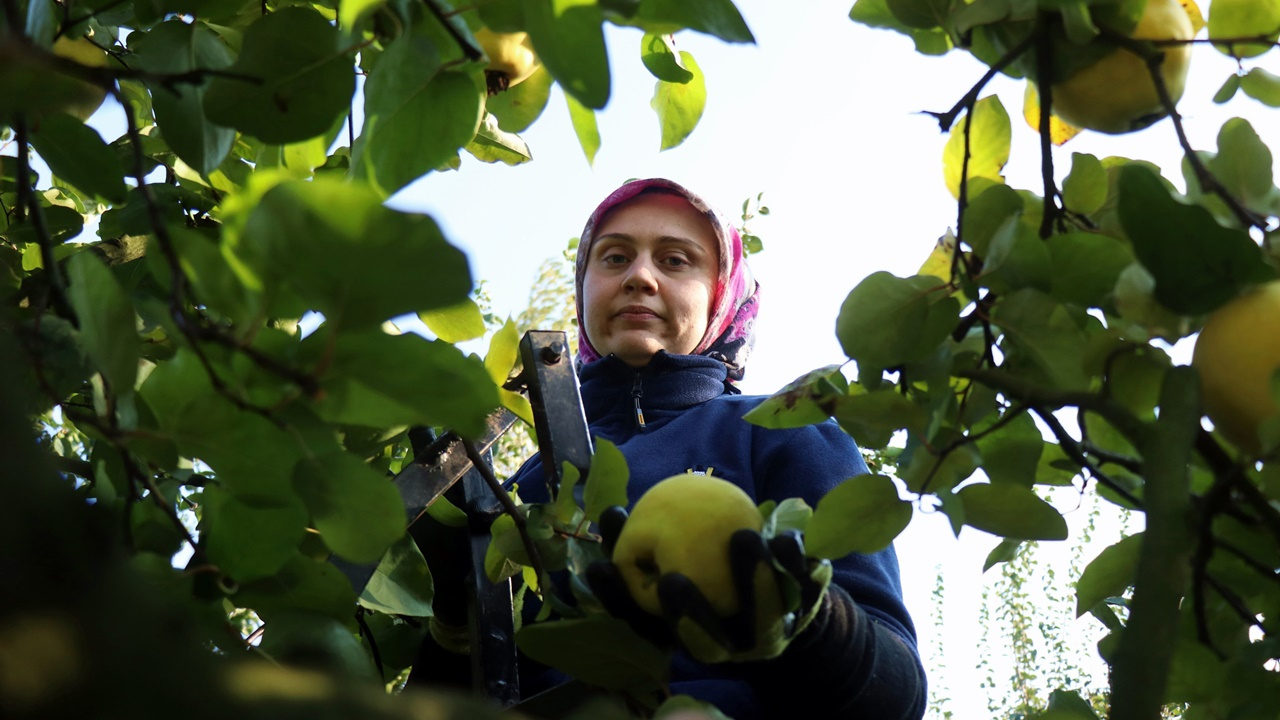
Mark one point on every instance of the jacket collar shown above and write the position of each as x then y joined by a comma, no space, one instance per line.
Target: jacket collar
667,383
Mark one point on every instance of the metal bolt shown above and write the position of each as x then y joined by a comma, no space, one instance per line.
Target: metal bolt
553,353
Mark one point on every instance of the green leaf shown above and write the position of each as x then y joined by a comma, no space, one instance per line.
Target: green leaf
1011,511
1262,86
302,584
1016,258
455,323
920,13
1086,267
607,481
108,325
1228,89
862,514
504,352
924,471
872,418
251,536
886,321
518,107
402,584
320,641
719,18
679,105
565,504
1004,551
1198,264
382,380
659,55
569,39
505,554
987,212
1011,454
356,509
493,144
214,280
249,453
175,47
876,14
1243,164
988,145
1042,338
809,399
1109,574
76,153
304,79
584,126
1068,705
352,259
602,651
417,114
1085,188
790,514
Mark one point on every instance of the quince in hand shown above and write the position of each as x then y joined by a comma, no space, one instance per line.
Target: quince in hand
683,525
1116,94
511,58
1237,352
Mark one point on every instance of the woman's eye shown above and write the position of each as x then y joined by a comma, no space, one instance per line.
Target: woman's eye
676,261
614,259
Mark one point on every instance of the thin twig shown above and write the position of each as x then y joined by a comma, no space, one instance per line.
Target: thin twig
470,51
508,506
153,491
1222,465
962,201
1009,416
1074,451
946,119
373,644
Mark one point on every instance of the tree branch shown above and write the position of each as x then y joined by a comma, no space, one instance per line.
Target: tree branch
1044,78
57,284
1076,453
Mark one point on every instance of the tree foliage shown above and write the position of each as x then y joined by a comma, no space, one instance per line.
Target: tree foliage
196,313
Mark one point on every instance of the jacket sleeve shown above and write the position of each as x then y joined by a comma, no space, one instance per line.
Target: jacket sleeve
859,657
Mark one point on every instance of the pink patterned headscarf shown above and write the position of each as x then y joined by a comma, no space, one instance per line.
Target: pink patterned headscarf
731,327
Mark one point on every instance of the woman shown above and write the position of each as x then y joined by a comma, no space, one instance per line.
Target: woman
666,306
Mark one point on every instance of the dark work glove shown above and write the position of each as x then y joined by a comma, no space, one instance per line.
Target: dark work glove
779,592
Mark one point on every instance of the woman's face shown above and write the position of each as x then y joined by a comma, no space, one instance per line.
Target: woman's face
650,278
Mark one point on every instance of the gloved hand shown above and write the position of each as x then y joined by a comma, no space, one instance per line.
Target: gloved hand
779,592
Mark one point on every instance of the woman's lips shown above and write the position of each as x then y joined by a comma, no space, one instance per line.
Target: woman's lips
637,312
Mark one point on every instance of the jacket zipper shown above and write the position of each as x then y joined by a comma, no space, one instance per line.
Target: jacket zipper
636,394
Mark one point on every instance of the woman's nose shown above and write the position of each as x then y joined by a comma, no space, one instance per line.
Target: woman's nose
641,276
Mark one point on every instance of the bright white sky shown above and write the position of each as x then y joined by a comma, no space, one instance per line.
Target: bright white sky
822,115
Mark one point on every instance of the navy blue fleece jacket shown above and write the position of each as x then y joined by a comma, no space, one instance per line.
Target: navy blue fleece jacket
858,659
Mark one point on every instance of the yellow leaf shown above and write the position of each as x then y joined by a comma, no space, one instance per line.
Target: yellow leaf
938,264
1059,131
